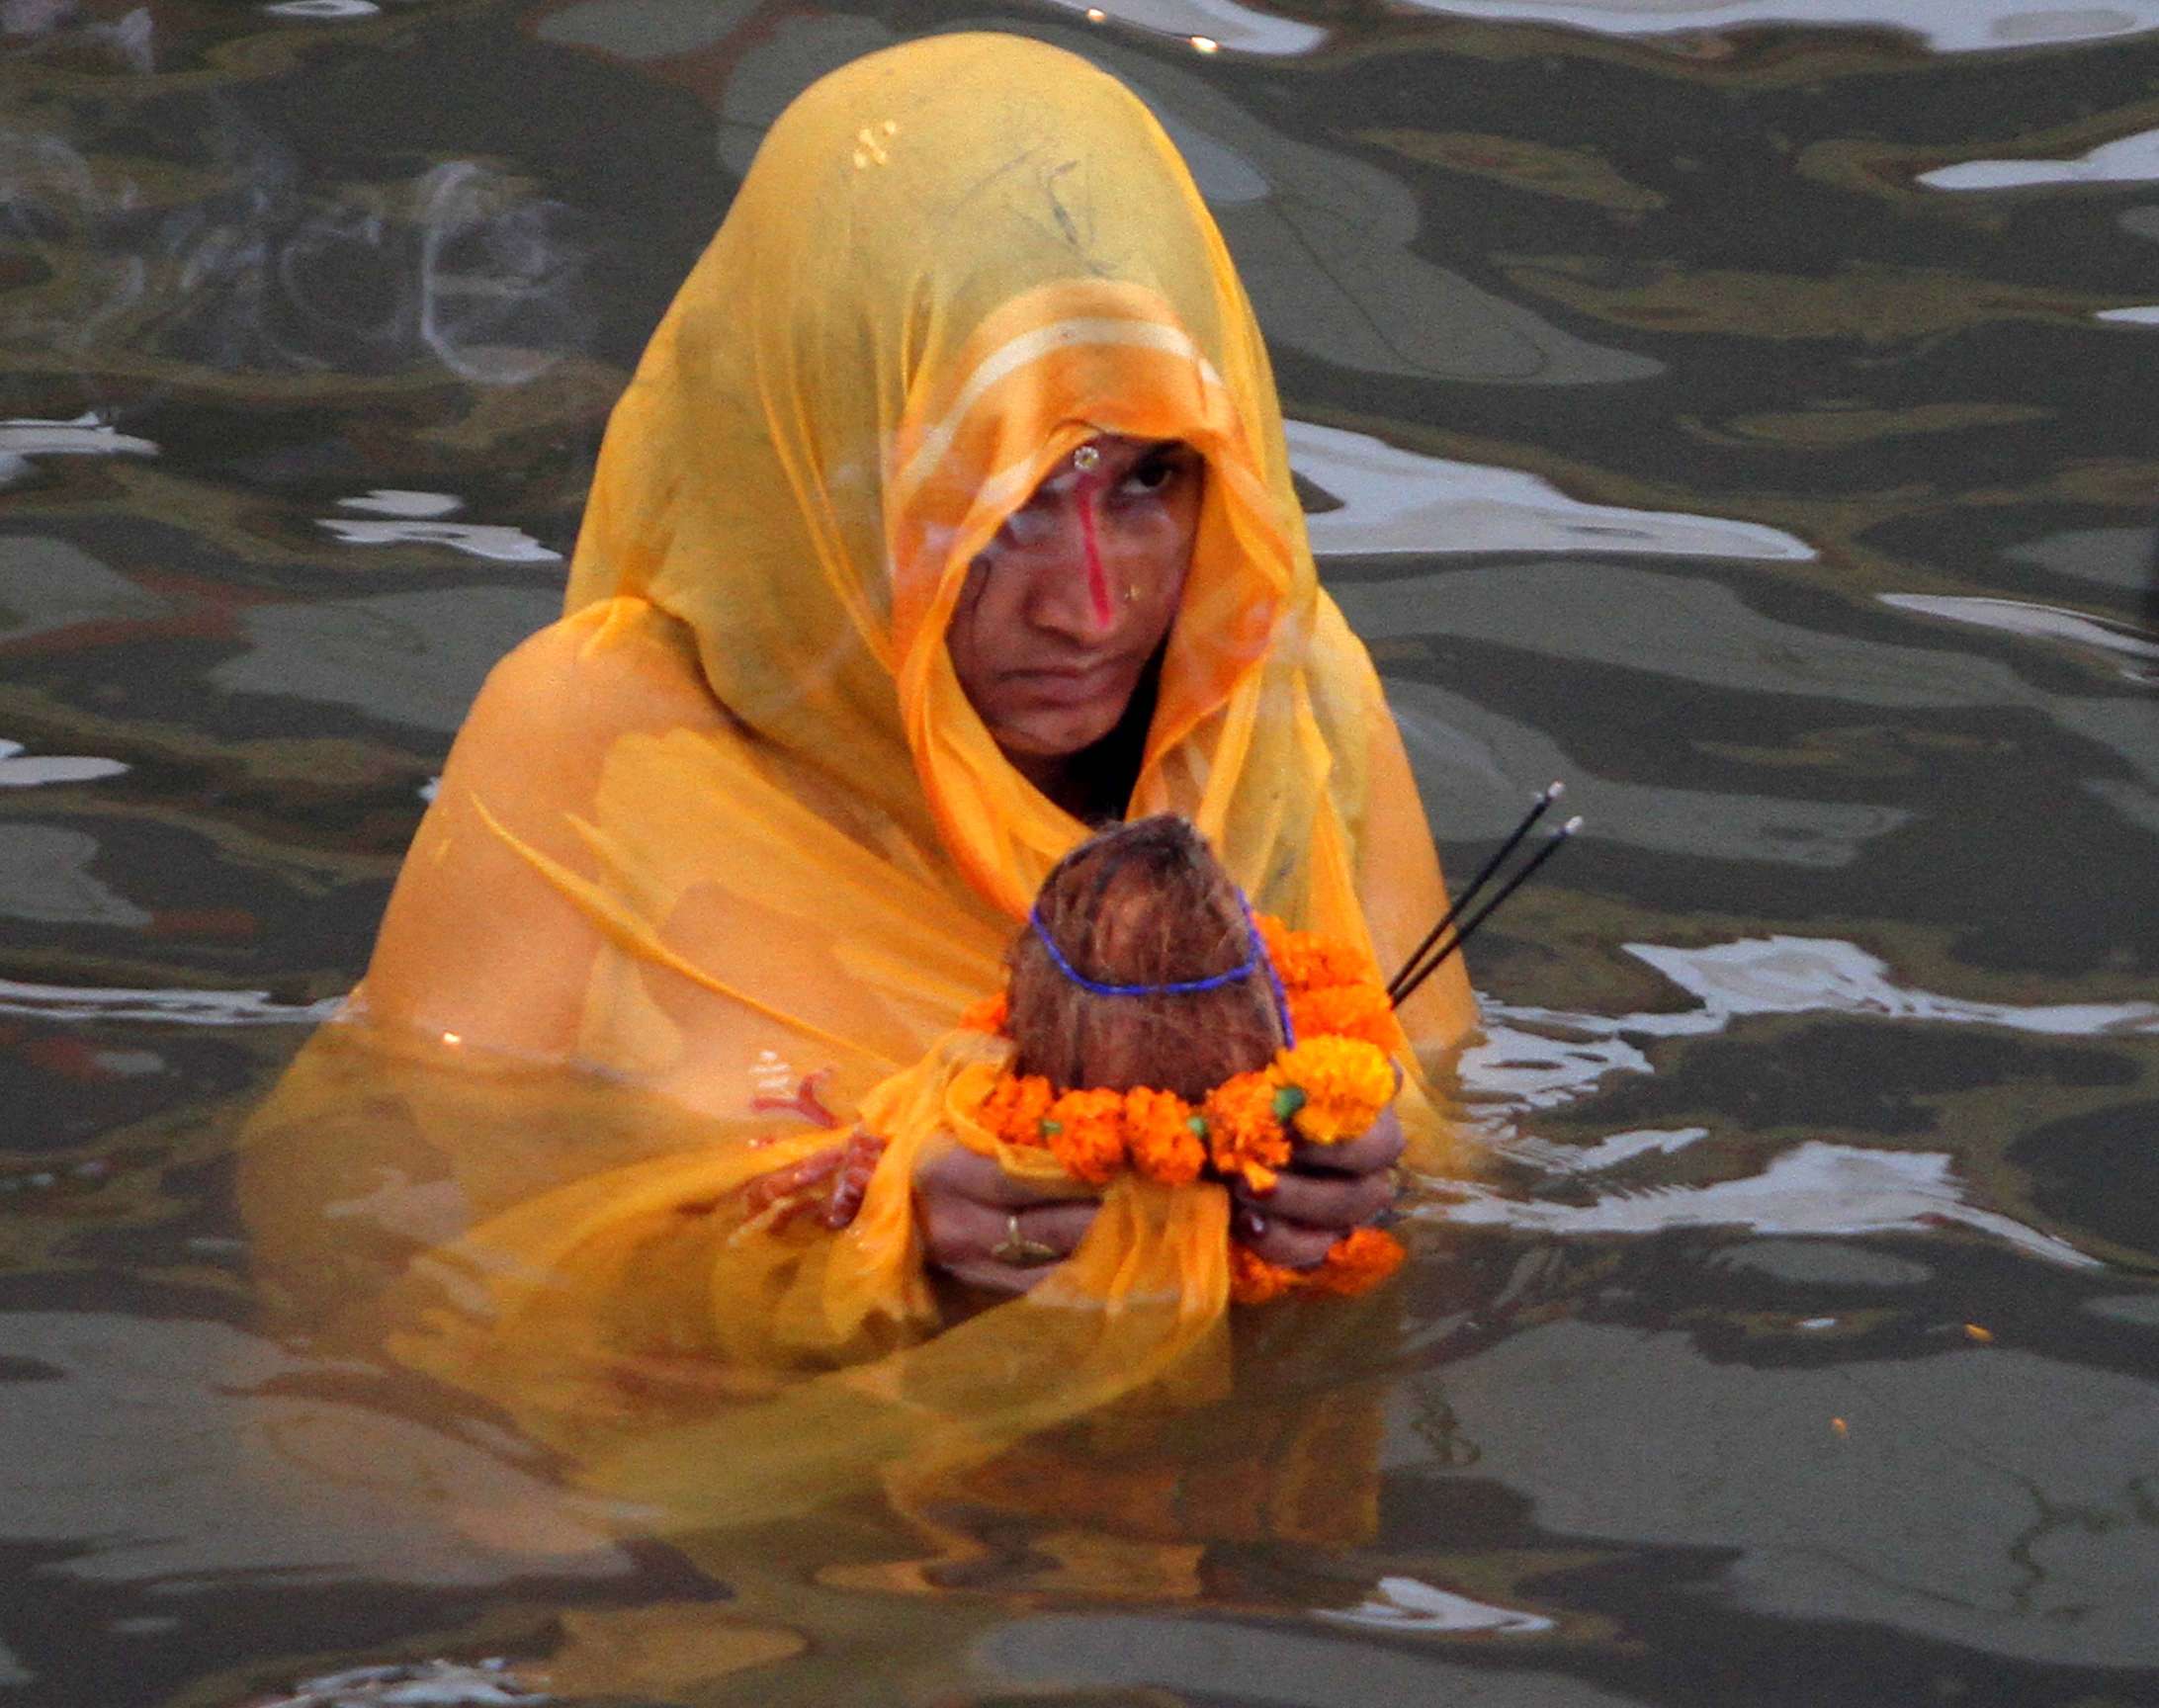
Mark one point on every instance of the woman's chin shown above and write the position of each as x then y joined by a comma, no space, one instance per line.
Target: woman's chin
1050,734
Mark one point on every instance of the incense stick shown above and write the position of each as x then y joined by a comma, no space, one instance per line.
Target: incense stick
1552,791
1462,932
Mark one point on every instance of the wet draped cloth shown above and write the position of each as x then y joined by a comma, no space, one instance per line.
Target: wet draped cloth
718,860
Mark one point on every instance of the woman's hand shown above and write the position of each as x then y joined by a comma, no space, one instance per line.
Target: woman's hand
1325,1192
984,1228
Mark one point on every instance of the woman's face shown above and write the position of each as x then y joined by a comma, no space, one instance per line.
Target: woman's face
1048,660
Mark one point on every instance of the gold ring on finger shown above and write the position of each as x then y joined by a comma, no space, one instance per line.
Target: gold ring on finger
1020,1251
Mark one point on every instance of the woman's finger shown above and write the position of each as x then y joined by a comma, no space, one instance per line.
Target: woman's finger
965,1173
1337,1201
1292,1245
991,1246
1378,1148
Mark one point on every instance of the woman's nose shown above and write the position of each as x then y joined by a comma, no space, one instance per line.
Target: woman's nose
1071,580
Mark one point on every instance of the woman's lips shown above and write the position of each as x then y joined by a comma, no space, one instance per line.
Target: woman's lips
1067,687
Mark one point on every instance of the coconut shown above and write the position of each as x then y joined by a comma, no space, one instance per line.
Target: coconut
1142,903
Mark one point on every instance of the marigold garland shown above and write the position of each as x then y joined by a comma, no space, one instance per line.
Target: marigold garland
1354,1264
1311,961
1086,1133
1344,1083
1163,1141
1348,1011
1327,1089
1245,1138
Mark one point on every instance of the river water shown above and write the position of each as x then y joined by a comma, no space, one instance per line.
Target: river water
1740,411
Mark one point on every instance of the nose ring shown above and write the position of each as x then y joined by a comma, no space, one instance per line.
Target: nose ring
1131,593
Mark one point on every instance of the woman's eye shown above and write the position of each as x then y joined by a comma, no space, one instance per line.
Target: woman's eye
1152,476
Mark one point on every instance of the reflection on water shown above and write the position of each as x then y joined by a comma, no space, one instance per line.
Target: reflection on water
1731,409
1946,25
85,436
491,1683
1393,502
337,1488
2126,160
1406,1604
164,1006
1813,1190
2041,621
22,773
1236,29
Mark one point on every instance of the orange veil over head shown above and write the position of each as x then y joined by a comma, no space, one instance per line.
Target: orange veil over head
718,858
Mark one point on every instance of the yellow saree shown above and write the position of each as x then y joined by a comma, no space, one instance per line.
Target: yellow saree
718,859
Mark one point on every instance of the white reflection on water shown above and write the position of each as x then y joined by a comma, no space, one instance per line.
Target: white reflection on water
327,8
391,501
498,543
176,1007
1519,1063
489,1684
411,521
1402,501
1542,1057
1608,1153
1224,22
2125,160
1814,1188
18,773
1410,1605
25,436
1804,975
2035,622
1948,26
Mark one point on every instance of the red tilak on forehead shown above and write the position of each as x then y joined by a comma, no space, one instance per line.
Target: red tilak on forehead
1086,460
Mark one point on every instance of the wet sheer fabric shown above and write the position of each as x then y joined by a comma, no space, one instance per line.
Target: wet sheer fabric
719,859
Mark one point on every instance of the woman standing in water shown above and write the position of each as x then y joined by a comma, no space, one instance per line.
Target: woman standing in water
948,516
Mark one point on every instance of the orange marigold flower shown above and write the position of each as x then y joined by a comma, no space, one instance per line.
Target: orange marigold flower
1345,1083
1015,1107
1352,1265
1253,1280
1244,1136
1086,1133
1357,1264
1346,1010
1159,1129
1311,961
990,1014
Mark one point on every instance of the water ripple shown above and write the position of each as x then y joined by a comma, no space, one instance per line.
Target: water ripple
1961,27
179,1008
16,773
1815,1188
1396,502
25,436
2125,160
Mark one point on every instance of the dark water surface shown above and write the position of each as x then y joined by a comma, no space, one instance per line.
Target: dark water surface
1744,411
